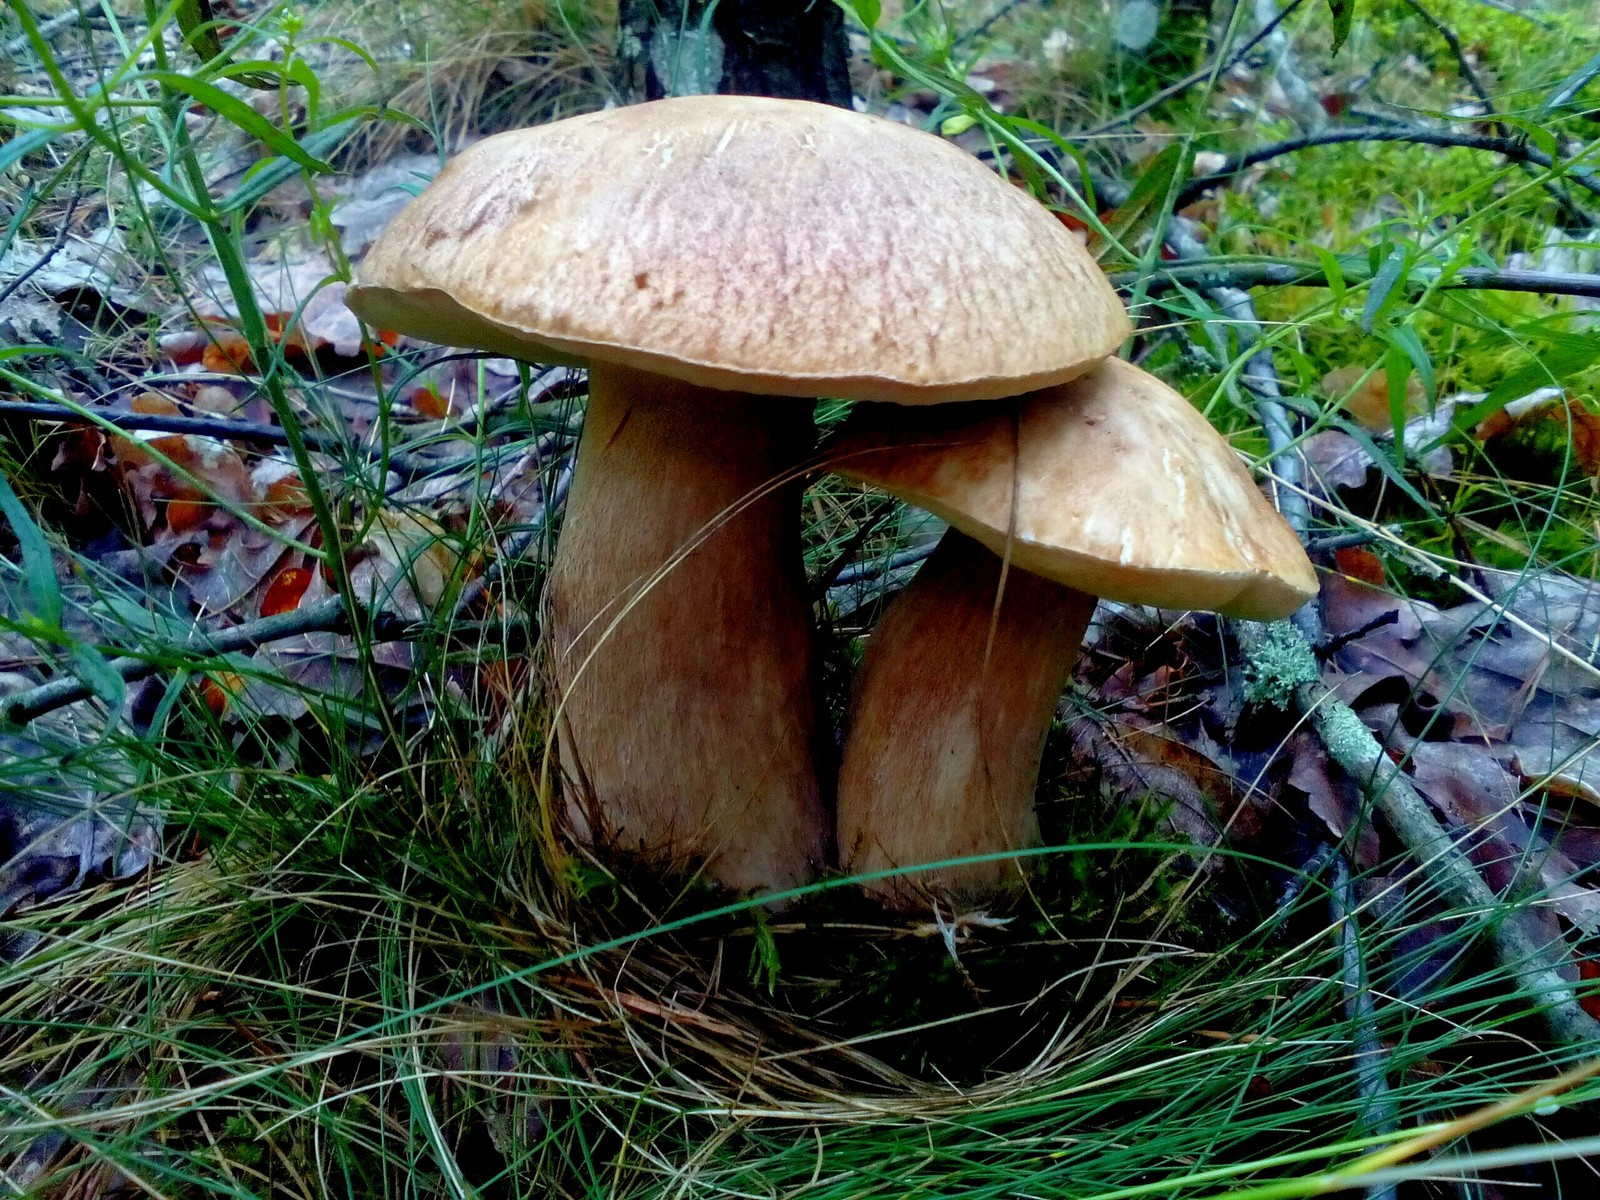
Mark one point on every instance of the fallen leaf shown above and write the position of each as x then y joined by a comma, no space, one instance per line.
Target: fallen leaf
1363,394
284,592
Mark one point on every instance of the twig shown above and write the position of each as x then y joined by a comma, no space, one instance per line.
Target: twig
857,572
989,22
1351,744
1308,110
1208,275
1372,1084
1514,11
1287,644
1511,148
1212,70
405,463
216,427
1574,83
47,30
62,234
1259,375
1571,214
1469,73
325,616
225,428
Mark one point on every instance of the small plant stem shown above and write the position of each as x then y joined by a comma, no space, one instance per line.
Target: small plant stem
1308,111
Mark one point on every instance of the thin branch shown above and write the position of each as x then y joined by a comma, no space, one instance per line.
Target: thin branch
325,616
224,428
1512,148
989,22
1360,755
1514,11
1308,111
1348,741
1206,275
1572,85
1212,70
1469,73
47,30
62,233
1571,214
407,464
1372,1084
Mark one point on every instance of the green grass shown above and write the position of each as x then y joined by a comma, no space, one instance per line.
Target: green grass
363,966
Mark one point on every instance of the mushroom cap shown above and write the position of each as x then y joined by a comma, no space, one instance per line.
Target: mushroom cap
1125,491
748,244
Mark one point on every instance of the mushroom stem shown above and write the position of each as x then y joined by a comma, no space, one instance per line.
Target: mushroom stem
948,722
687,721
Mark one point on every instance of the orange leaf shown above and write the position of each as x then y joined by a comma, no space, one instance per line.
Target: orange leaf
285,591
227,353
1357,562
1585,436
429,403
1588,969
1367,402
217,690
155,404
184,515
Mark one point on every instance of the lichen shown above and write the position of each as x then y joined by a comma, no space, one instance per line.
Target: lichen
1278,662
1348,740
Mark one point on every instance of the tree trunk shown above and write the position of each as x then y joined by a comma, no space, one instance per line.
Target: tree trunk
790,48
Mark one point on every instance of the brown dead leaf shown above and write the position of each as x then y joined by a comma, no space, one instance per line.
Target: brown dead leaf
1333,796
1477,793
1518,412
407,564
1529,685
1144,757
1359,563
302,302
1364,395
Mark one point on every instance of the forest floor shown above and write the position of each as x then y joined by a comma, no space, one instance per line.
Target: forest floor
269,587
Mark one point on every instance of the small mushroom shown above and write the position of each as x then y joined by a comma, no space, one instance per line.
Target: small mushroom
709,258
1112,485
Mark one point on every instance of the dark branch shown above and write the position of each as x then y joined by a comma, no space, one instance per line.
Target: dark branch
1211,70
325,616
1511,148
1282,274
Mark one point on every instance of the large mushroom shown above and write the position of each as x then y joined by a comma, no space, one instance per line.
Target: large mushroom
1112,485
707,257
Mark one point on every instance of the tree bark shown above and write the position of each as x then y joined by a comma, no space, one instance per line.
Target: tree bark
790,48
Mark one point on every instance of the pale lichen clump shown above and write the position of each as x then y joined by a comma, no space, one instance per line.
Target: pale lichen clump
1278,663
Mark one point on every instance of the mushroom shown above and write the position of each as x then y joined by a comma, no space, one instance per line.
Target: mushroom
708,257
1112,485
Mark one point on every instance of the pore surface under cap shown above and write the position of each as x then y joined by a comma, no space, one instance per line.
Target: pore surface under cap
747,243
1125,491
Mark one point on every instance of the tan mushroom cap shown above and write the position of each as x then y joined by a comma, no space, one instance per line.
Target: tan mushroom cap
750,244
1126,491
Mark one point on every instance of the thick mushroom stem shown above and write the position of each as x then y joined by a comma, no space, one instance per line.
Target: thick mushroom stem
948,723
679,622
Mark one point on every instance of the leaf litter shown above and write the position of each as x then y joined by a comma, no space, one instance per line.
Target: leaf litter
215,529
